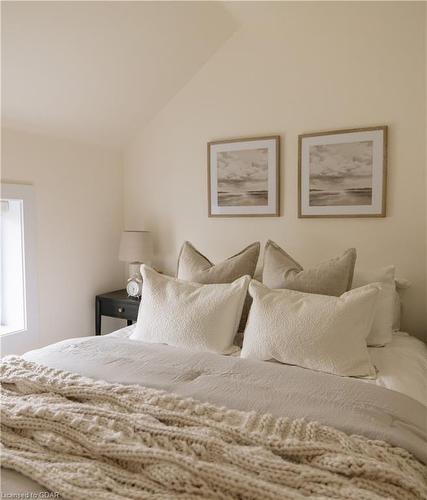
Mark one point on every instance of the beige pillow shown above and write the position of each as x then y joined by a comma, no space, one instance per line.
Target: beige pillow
195,267
333,277
319,332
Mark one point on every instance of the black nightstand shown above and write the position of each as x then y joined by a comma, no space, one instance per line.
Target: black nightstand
116,305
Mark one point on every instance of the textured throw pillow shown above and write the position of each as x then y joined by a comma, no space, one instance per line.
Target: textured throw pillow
319,332
193,266
382,326
333,277
190,315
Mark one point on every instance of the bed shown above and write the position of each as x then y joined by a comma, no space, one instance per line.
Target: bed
315,398
390,408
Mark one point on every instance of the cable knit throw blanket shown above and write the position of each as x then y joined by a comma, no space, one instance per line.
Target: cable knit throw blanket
91,439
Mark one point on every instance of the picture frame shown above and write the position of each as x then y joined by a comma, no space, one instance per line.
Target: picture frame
343,173
244,177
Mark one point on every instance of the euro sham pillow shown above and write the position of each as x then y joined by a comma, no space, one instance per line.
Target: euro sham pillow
382,326
190,315
195,267
333,277
313,331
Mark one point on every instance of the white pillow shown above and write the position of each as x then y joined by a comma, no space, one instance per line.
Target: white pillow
401,285
190,315
397,311
319,332
382,326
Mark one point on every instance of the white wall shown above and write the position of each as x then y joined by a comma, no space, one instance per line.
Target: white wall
78,192
296,68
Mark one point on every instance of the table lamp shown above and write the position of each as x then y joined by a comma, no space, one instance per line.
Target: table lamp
136,248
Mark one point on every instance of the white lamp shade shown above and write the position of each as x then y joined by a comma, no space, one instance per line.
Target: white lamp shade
136,246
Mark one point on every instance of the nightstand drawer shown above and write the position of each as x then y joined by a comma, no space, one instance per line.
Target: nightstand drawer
117,309
116,304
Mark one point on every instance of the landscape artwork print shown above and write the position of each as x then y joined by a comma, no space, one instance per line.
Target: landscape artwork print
243,177
343,173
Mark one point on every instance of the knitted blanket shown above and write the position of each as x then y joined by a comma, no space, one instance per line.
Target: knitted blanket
87,438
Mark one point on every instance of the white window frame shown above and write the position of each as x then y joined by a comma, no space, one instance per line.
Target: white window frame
20,341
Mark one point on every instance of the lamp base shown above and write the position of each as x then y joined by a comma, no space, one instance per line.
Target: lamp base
134,269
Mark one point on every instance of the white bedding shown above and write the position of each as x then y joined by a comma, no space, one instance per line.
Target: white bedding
347,404
93,439
401,365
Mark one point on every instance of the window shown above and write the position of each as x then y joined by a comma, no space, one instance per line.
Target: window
18,301
13,317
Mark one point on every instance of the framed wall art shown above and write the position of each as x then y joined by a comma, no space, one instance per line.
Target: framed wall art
343,173
243,177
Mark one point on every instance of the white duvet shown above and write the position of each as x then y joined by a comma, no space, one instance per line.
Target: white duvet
401,365
347,404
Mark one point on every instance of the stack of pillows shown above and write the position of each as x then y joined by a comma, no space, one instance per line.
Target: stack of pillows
322,318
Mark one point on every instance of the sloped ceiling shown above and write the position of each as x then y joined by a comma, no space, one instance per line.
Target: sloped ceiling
98,71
